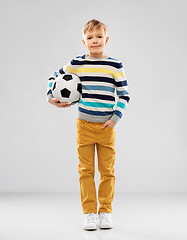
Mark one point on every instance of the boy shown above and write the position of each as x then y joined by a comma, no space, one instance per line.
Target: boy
100,75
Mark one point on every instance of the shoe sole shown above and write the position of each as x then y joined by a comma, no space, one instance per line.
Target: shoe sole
90,229
105,227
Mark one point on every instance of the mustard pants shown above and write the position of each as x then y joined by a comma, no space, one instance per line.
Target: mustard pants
89,135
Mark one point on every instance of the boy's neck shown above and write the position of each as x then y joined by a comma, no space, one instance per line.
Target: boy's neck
96,55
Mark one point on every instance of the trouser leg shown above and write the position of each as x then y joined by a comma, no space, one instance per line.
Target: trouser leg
106,160
86,168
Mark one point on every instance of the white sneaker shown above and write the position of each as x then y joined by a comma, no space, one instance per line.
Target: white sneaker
90,221
105,220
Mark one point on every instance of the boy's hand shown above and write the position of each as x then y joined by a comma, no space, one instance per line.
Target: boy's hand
109,123
56,102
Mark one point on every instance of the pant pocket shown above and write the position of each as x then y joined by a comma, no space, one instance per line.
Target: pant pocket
81,123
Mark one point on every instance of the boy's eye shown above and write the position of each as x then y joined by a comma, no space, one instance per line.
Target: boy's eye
98,37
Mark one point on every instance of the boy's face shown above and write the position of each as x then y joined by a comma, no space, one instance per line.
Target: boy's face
95,41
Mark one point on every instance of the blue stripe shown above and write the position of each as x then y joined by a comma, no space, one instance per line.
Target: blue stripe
97,79
98,113
98,96
55,74
118,113
97,105
101,88
122,92
88,62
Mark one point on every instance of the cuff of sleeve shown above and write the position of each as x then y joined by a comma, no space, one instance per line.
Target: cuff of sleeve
49,97
115,118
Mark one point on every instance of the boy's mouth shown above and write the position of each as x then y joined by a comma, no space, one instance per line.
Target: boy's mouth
95,46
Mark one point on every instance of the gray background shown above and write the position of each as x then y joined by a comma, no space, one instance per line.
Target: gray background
38,141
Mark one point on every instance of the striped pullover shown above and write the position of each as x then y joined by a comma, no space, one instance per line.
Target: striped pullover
104,87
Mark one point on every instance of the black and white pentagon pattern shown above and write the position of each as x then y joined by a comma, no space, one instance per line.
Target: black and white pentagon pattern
65,93
79,88
67,77
67,88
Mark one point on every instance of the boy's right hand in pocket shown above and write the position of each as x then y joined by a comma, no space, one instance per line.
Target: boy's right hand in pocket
56,102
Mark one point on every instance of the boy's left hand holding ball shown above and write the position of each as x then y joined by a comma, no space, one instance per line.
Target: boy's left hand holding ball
56,102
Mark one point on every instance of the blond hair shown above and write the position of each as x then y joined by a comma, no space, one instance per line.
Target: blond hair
94,23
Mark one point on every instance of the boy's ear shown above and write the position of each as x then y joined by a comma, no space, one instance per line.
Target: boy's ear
107,38
84,42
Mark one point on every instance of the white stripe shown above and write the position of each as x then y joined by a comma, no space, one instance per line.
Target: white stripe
95,74
119,108
95,108
122,88
92,60
122,101
98,92
83,74
97,100
94,83
117,70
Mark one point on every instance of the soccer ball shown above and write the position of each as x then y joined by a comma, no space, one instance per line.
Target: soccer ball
67,88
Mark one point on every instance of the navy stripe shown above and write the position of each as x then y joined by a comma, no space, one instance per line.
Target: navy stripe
97,79
98,96
95,112
51,78
49,92
121,84
83,56
61,71
80,56
125,98
87,62
112,58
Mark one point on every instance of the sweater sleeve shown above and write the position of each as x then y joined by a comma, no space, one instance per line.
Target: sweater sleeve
53,77
122,93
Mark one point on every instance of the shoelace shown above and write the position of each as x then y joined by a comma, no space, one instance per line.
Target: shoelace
91,217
